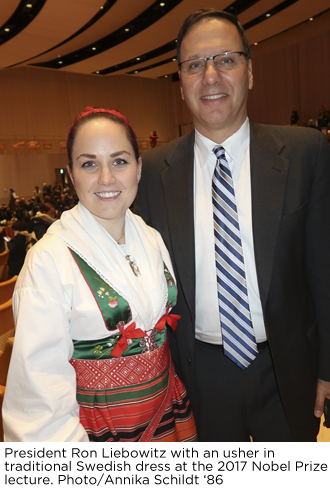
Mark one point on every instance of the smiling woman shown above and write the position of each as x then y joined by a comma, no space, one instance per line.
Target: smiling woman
93,310
104,169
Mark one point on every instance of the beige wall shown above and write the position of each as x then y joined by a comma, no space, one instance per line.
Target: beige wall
38,104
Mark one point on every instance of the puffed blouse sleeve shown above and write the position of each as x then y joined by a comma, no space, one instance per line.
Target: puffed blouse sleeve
40,398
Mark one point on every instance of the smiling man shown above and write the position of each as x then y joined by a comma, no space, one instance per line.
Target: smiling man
244,210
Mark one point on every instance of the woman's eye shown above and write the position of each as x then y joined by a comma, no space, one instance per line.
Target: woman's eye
88,165
119,162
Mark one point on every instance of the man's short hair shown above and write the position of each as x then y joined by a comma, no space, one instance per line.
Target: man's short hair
210,13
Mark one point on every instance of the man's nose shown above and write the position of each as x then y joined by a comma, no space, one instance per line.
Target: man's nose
211,74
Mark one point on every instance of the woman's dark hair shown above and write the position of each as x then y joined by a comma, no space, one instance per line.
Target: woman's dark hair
210,13
95,113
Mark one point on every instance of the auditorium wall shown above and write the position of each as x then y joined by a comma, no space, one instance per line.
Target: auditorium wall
292,72
39,105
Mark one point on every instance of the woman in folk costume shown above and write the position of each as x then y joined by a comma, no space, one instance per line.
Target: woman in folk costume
92,306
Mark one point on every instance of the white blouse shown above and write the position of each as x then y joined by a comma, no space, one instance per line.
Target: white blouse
53,305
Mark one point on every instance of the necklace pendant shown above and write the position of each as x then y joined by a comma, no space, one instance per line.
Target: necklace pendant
133,265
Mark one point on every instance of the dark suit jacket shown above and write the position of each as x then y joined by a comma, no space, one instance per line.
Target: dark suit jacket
290,181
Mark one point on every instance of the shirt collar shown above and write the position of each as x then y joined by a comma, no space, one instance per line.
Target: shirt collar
235,145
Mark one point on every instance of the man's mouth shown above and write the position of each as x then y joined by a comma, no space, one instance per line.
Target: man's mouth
213,97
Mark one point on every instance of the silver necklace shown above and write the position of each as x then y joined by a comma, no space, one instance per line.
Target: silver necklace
117,240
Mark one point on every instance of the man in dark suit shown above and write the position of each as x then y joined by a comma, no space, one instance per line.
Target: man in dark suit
281,182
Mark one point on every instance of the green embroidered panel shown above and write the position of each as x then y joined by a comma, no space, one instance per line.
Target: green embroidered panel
101,349
113,307
171,288
115,310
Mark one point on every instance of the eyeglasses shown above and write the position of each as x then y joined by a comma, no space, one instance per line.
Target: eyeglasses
222,61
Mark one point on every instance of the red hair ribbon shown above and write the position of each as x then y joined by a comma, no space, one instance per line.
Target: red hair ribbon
89,110
130,333
170,319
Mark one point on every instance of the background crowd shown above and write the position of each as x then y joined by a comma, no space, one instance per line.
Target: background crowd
24,221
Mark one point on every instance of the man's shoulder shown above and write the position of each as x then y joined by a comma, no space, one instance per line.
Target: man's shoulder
284,133
178,145
300,144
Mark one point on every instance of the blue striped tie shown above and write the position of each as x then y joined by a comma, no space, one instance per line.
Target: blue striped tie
238,337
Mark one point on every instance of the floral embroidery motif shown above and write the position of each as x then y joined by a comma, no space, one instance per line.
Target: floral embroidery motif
106,291
168,276
101,352
98,349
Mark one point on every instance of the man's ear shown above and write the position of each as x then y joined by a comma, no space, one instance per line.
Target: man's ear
250,74
182,93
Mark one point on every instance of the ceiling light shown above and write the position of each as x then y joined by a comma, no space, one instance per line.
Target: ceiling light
7,30
136,72
311,18
97,72
268,15
94,48
255,44
138,58
126,30
174,59
166,75
162,4
60,62
28,5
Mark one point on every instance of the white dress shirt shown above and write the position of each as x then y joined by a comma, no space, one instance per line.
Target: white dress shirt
237,150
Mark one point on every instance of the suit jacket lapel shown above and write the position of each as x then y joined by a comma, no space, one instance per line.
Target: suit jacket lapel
268,180
178,183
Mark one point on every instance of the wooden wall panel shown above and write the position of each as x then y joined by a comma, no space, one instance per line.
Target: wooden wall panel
292,72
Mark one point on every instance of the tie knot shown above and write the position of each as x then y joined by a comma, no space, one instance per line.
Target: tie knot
219,152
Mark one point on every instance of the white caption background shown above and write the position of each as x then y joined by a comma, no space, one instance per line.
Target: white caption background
163,467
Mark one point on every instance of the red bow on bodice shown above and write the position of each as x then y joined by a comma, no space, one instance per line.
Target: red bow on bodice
169,318
129,333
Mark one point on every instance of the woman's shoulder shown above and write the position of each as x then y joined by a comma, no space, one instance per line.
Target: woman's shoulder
44,261
48,245
153,233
